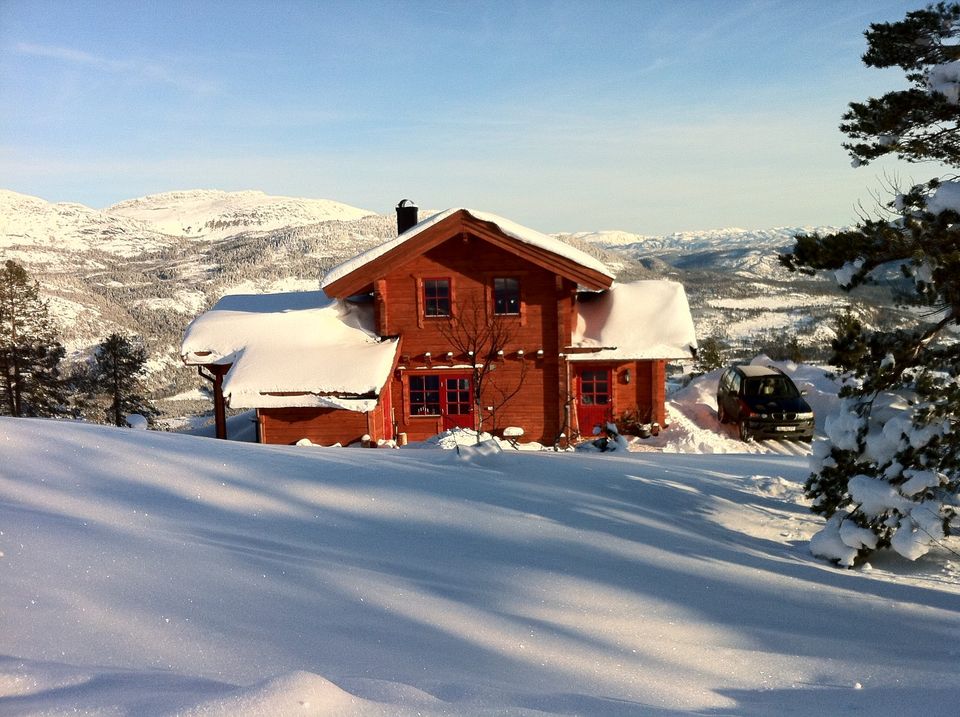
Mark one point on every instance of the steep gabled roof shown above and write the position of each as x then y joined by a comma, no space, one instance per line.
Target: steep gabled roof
297,349
640,320
358,274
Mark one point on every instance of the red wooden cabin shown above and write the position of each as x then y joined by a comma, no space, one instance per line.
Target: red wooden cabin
465,319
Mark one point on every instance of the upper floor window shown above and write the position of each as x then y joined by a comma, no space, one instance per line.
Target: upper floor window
506,296
436,297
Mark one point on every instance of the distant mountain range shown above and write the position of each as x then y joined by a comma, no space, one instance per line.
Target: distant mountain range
149,265
214,215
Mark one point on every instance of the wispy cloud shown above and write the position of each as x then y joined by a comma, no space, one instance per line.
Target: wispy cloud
136,69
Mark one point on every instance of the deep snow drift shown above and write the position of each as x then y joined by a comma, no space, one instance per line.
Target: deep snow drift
156,574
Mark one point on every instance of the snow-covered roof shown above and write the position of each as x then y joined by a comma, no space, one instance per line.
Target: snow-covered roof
639,320
506,226
309,349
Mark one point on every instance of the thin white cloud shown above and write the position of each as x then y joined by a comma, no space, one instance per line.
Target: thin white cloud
136,69
60,53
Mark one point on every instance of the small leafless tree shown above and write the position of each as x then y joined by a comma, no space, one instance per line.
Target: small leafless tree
483,339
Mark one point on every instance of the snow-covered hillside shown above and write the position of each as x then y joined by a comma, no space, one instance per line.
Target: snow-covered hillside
692,242
64,237
208,214
157,574
748,252
740,294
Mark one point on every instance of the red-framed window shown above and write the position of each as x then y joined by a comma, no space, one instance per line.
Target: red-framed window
424,395
436,297
441,395
595,387
506,296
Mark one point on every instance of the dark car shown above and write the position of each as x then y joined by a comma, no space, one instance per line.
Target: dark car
764,403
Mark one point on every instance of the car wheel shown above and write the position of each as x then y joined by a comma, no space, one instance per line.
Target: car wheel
744,433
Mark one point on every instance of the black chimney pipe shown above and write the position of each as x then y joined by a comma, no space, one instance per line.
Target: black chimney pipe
406,215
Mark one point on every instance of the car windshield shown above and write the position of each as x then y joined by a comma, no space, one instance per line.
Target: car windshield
771,387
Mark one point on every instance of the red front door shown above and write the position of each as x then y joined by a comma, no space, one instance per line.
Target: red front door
594,403
457,402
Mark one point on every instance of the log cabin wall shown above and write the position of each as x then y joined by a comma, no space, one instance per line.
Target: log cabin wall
544,323
646,391
323,426
658,382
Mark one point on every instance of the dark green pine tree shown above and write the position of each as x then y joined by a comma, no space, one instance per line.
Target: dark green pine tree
889,472
30,354
116,372
711,355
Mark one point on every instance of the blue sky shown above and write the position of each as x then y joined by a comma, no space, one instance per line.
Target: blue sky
650,117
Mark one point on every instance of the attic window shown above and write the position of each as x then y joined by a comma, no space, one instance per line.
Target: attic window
506,296
436,297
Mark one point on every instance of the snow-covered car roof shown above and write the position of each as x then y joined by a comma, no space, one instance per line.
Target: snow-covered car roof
755,370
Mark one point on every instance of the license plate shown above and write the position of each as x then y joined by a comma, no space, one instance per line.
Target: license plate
786,429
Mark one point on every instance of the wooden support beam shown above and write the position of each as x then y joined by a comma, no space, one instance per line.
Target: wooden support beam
215,377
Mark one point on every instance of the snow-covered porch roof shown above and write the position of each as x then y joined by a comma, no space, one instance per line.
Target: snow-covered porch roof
292,350
636,321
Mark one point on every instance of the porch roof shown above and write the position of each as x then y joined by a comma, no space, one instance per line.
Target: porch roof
640,320
292,350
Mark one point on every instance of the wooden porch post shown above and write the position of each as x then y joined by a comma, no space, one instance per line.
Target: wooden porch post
219,405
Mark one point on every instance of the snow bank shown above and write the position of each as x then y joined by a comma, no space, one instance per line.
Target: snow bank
137,421
294,693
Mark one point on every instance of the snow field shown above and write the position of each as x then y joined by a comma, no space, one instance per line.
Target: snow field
157,574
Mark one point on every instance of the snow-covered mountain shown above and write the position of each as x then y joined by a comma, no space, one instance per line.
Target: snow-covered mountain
211,215
55,236
748,250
